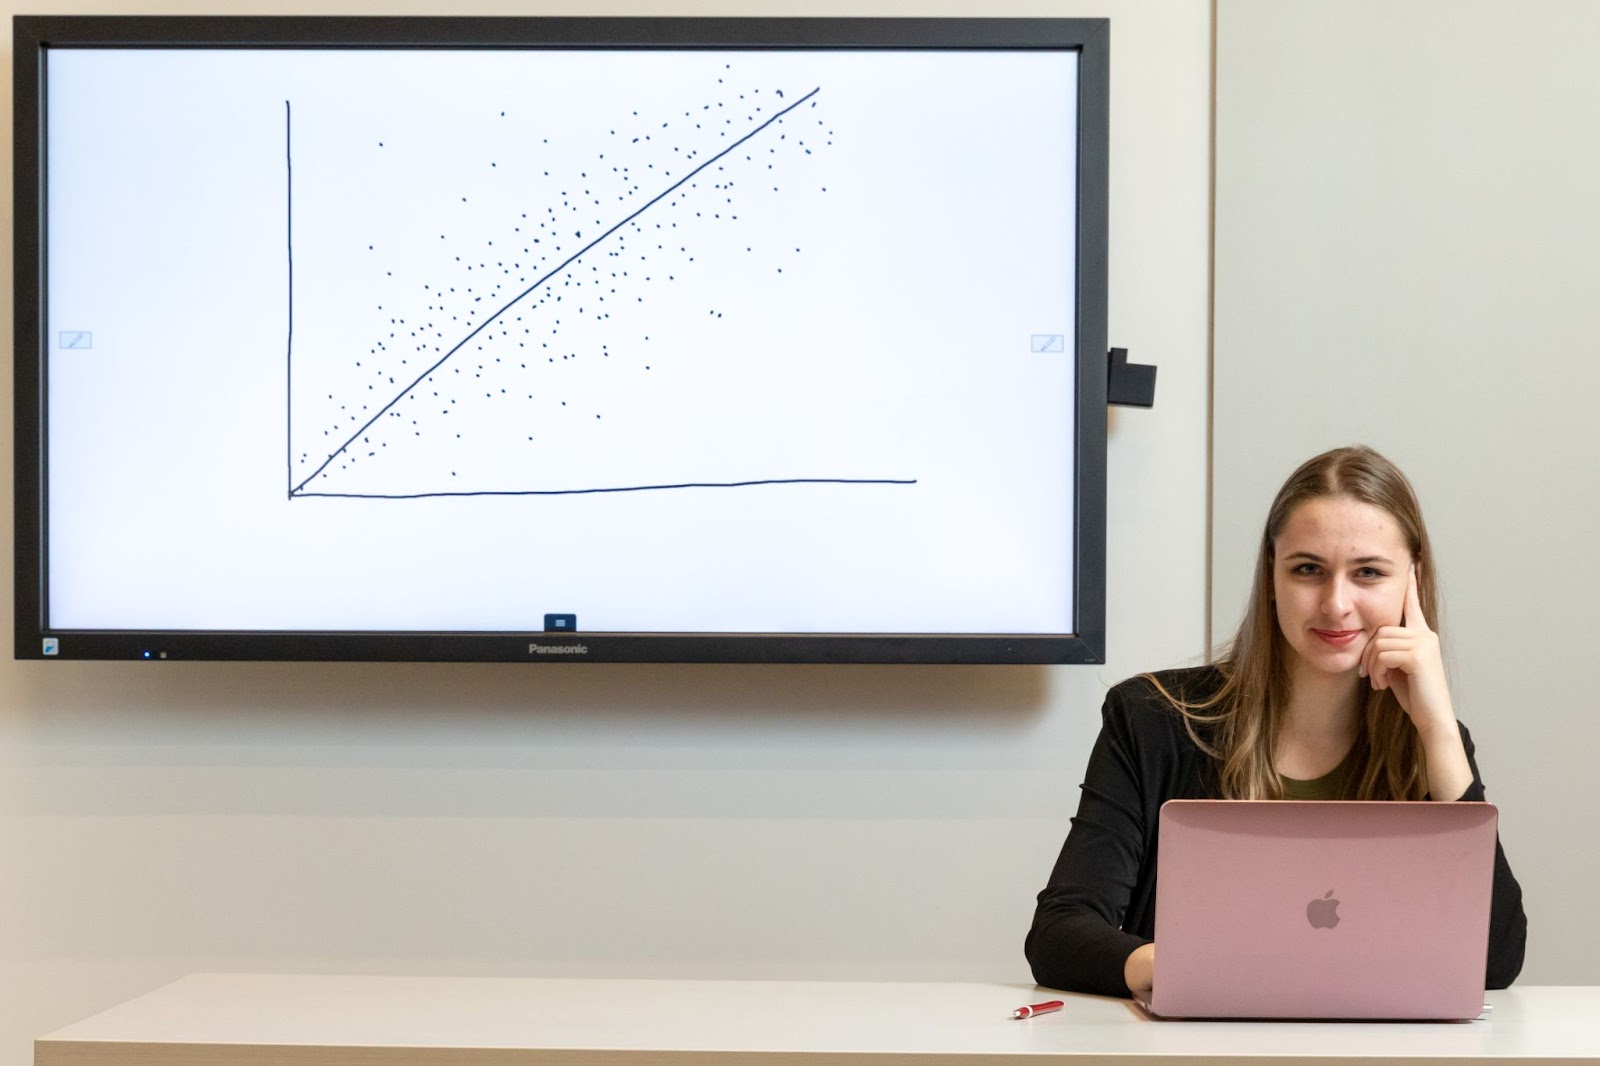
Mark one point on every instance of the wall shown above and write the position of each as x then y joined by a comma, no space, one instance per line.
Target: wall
1406,225
779,822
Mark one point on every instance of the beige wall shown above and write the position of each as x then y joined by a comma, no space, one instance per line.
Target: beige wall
1406,230
800,822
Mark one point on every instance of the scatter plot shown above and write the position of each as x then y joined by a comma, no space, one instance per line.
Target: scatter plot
428,340
546,310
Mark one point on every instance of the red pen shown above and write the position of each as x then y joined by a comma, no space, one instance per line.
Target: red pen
1037,1008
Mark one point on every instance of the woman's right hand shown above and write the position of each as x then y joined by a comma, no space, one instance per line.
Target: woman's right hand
1140,969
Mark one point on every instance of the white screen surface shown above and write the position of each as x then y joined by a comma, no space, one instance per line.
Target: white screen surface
670,341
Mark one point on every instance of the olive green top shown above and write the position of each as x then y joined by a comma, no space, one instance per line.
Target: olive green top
1335,784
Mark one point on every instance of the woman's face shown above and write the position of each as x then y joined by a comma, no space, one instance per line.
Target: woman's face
1339,572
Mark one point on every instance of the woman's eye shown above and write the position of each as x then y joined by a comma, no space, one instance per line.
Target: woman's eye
1368,573
1306,569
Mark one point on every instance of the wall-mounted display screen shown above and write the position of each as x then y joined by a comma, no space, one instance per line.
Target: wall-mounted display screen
560,339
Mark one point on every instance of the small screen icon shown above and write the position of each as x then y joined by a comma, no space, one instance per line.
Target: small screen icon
560,623
78,339
52,646
1049,342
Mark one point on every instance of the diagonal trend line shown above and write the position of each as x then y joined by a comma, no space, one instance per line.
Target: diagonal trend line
552,273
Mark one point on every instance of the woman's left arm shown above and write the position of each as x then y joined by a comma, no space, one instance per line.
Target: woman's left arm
1406,660
1508,922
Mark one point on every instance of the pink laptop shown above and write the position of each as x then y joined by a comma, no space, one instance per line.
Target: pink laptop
1288,909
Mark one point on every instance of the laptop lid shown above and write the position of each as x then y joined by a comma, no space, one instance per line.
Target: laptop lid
1283,909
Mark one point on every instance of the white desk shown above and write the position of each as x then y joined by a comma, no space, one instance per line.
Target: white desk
289,1020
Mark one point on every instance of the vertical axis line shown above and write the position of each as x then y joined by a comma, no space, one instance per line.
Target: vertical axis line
288,399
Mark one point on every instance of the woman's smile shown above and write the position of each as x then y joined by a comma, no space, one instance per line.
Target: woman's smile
1339,638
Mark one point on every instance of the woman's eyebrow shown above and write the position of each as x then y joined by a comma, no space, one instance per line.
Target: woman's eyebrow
1362,561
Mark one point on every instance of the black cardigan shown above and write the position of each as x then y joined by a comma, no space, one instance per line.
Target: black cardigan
1100,902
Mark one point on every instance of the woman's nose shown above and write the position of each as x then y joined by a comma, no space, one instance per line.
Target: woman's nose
1336,598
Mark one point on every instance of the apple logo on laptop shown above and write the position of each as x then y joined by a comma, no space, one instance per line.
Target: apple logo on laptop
1323,913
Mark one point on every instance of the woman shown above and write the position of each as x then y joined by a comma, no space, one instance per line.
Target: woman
1334,687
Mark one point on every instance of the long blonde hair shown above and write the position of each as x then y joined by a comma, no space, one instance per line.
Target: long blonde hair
1243,717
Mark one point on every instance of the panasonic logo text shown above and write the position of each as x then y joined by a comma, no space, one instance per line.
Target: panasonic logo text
558,649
